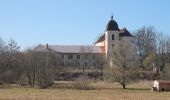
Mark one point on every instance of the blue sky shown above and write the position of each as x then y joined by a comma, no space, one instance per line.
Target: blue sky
32,22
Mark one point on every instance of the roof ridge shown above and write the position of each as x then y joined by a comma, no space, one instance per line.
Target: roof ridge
71,45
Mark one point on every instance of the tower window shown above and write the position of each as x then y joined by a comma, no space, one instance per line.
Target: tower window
113,37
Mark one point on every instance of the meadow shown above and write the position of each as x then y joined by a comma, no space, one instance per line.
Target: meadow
107,91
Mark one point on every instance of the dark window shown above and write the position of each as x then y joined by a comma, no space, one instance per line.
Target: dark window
113,37
85,64
70,56
78,56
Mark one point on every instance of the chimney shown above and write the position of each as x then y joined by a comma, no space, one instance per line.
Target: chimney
47,45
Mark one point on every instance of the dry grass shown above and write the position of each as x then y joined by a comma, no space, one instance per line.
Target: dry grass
107,91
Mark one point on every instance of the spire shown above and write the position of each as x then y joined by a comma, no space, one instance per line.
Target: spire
112,17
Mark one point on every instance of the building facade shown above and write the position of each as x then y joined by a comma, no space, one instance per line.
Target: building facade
89,56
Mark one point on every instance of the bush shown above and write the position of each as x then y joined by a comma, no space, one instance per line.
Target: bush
23,80
83,83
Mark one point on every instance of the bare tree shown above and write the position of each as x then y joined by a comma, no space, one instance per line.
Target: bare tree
161,51
2,64
89,54
168,49
82,49
11,62
153,49
146,42
2,46
101,62
123,65
12,46
41,68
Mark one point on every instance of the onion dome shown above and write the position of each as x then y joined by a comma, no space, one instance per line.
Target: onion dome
112,25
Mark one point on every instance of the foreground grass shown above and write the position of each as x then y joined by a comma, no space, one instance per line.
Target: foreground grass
113,93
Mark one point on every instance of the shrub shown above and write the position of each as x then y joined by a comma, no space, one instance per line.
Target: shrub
83,83
23,80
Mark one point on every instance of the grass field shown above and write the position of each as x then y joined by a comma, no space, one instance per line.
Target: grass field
108,93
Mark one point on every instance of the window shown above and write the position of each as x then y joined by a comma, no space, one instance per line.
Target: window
70,56
113,37
78,56
86,56
77,64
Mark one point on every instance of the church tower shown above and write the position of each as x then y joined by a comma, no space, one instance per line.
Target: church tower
111,36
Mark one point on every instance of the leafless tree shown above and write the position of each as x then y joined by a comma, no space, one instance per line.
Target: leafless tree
123,66
146,42
146,39
2,46
2,64
89,54
11,62
82,49
153,48
166,60
41,68
101,62
168,49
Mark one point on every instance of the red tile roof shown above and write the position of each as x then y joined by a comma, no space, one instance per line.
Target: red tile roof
124,32
163,81
101,38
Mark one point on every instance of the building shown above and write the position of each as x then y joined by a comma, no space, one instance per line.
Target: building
161,85
111,36
89,56
74,55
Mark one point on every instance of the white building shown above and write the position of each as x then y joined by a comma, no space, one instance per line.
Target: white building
82,55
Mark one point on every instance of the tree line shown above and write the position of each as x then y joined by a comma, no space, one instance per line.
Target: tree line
36,69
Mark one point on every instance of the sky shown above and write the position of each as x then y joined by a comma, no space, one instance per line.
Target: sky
76,22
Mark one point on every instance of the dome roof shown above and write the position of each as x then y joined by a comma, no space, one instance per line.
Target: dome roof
112,25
